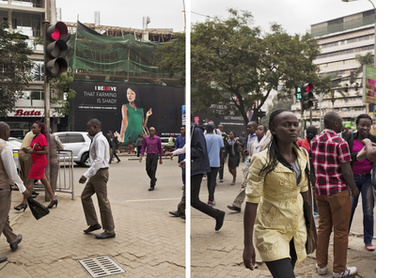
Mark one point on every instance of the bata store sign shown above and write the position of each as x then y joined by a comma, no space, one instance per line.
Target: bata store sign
28,113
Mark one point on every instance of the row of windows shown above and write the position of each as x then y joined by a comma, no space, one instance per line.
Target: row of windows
346,51
347,41
28,24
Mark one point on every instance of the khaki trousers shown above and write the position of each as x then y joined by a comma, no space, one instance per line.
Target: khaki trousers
334,211
5,203
242,193
25,161
98,184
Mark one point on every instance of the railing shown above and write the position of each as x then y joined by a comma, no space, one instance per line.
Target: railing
66,173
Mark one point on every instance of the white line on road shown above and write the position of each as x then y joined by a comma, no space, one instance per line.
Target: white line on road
146,200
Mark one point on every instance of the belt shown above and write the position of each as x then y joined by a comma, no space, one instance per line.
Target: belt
363,174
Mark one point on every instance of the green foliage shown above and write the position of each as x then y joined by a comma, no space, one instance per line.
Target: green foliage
241,64
60,92
171,57
15,67
367,59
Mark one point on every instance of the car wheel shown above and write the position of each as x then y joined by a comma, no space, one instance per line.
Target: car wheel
85,160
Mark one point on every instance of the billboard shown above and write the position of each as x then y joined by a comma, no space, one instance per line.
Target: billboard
128,109
369,84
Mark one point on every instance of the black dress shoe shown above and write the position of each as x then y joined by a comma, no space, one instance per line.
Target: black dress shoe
175,213
14,246
92,228
105,235
3,259
234,208
151,188
220,220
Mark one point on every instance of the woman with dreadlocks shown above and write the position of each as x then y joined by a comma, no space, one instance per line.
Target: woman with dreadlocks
278,177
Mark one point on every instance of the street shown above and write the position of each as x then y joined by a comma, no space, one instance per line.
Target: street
148,243
219,254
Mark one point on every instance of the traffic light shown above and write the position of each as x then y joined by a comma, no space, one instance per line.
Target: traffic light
56,49
307,96
298,92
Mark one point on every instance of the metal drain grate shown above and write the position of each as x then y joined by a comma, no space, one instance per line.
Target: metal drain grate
101,266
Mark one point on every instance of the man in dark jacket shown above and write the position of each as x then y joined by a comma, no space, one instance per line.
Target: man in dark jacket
200,165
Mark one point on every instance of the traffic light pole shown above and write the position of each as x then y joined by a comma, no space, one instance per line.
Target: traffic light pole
46,109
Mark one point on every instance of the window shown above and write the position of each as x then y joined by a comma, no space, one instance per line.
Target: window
75,138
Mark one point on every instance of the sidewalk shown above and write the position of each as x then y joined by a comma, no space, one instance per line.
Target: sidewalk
219,254
149,243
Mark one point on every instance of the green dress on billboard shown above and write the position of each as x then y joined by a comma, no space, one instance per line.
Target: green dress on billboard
135,122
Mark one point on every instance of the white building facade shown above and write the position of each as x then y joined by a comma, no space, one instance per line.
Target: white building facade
340,41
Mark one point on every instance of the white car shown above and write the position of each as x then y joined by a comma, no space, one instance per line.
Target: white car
78,142
15,145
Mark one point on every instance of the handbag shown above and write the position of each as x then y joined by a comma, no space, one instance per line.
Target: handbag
311,243
37,209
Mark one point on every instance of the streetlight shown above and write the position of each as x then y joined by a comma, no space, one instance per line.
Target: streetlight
373,5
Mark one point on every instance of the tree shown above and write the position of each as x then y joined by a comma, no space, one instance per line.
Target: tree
238,65
367,59
61,93
171,57
15,67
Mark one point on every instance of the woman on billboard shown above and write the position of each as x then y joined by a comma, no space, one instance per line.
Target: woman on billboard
133,121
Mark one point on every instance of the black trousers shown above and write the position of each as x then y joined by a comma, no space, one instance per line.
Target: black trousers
114,153
195,182
284,268
151,168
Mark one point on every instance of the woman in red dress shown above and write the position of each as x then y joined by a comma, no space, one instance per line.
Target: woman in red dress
39,149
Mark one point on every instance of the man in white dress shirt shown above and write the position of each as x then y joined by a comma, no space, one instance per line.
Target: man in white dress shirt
98,176
8,177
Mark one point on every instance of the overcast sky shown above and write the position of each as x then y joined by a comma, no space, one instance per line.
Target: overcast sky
295,16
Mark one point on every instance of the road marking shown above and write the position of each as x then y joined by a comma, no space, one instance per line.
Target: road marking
146,200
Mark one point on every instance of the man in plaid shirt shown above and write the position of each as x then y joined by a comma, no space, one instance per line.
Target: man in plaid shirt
330,157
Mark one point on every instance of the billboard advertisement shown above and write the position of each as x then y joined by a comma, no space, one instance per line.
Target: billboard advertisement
369,84
128,109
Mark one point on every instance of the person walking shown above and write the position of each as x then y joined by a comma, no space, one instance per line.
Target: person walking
181,208
152,146
114,147
8,177
215,146
233,147
256,146
138,144
97,177
243,142
362,170
54,146
25,159
278,183
224,140
331,158
39,148
200,165
180,142
131,148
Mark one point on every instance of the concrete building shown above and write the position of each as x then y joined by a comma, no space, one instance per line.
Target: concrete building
340,40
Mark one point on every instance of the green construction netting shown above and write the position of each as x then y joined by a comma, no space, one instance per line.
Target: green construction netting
92,51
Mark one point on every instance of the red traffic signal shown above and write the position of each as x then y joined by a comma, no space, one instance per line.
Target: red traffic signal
56,49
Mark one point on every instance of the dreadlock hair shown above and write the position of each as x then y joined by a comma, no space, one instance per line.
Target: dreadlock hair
274,156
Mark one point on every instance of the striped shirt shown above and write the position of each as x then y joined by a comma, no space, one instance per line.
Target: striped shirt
327,151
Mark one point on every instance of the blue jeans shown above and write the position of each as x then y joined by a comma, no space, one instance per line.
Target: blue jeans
364,185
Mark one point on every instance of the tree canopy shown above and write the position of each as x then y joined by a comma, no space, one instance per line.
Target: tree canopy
239,65
15,67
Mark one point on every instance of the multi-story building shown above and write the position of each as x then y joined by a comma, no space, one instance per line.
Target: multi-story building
340,40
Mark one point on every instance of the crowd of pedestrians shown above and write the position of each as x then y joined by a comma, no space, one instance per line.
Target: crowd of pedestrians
278,168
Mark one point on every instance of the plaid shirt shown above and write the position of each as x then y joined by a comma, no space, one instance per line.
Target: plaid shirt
328,150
